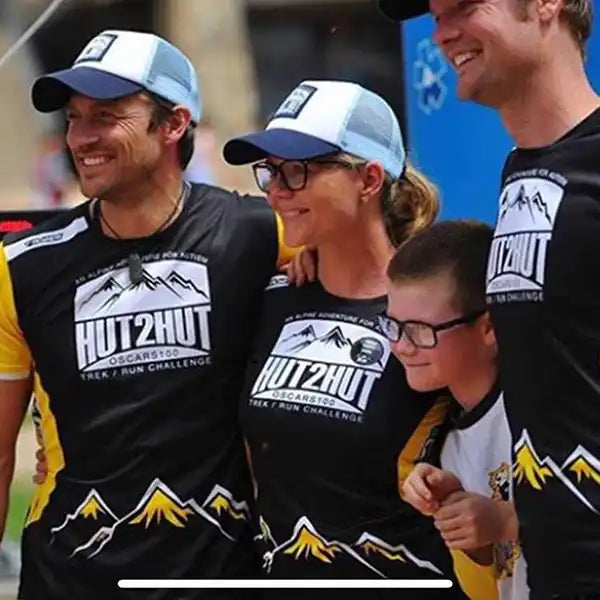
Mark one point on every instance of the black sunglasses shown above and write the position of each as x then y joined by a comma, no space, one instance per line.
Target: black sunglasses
419,333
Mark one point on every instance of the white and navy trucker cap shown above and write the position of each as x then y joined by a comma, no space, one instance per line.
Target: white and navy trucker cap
323,117
118,63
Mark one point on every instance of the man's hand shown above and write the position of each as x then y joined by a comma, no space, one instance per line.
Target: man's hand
468,521
426,487
41,467
303,267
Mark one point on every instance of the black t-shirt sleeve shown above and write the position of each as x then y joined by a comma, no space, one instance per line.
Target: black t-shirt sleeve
257,225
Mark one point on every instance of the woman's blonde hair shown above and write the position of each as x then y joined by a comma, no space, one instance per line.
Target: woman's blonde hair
409,204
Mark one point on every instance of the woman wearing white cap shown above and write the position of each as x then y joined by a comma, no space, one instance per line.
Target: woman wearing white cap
329,419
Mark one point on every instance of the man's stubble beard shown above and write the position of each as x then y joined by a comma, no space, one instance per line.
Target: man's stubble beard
488,90
123,188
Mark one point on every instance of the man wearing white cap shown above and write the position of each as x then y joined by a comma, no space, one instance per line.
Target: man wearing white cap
130,318
526,60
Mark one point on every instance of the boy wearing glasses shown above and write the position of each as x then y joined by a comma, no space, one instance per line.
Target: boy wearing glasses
440,330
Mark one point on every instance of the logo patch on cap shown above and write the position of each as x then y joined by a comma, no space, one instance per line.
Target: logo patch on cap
292,106
97,48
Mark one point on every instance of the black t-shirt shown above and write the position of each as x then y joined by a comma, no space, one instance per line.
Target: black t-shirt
137,387
543,287
331,424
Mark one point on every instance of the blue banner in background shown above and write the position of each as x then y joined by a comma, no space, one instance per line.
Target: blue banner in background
459,145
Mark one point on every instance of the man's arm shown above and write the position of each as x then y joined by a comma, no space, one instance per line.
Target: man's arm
15,382
14,396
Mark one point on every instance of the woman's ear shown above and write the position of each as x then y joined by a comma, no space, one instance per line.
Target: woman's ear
373,176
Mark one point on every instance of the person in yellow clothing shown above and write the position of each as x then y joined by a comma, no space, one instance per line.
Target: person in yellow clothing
440,330
130,317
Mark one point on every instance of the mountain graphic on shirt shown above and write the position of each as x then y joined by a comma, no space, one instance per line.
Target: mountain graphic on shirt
169,285
110,285
300,340
308,341
174,283
93,509
159,508
528,466
179,281
222,502
162,506
370,545
81,523
334,337
522,201
530,469
583,464
307,544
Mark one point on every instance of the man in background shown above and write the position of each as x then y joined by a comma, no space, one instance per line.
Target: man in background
525,58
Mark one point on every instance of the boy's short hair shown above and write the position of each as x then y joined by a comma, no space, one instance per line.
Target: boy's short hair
458,247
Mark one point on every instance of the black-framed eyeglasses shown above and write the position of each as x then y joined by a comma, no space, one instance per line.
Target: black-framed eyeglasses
419,333
293,174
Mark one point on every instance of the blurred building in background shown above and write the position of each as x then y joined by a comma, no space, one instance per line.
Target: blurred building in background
248,53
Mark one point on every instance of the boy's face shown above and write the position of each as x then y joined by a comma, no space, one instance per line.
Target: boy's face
459,350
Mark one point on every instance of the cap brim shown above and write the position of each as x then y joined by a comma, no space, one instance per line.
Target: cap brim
398,10
52,92
283,143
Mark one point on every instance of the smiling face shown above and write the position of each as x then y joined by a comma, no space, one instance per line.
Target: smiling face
328,206
492,44
112,145
460,350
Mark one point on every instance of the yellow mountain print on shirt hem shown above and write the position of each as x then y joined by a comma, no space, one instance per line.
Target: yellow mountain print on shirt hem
160,506
91,509
308,544
221,504
582,468
369,547
527,466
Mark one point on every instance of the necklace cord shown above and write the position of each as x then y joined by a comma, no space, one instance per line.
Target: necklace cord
134,261
180,200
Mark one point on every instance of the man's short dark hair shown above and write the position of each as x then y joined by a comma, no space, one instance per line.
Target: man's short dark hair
458,247
161,111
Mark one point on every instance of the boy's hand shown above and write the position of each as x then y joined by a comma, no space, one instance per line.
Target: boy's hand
426,487
468,521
